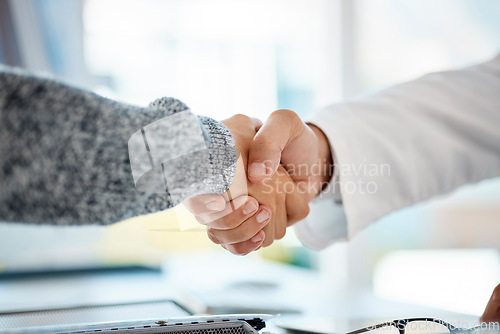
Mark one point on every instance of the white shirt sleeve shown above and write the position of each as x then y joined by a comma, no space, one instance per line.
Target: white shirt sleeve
406,144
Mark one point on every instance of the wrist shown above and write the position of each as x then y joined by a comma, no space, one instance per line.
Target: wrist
325,158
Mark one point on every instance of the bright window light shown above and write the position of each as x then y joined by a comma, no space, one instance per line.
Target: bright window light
454,280
220,57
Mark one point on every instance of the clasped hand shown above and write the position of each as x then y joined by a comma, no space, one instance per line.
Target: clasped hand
273,182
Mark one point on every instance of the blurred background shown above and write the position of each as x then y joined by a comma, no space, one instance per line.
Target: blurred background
223,57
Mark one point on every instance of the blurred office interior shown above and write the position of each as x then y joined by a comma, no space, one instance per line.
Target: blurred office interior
224,57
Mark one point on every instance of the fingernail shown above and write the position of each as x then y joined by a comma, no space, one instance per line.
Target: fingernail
215,206
263,216
249,208
257,238
257,169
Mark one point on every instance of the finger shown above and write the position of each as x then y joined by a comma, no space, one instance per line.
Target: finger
296,204
239,185
276,228
265,149
233,215
239,119
207,203
245,231
246,247
256,123
492,311
290,206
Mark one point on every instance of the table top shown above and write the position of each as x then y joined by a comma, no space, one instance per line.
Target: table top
240,285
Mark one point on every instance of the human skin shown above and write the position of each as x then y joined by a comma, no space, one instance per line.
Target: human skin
492,311
301,148
250,215
282,144
288,144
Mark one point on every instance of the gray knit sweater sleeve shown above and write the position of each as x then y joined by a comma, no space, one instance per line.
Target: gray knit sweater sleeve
64,154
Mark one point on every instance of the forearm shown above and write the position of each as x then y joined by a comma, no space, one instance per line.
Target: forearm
65,158
414,141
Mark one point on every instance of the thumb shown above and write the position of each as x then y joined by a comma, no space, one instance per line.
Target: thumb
266,147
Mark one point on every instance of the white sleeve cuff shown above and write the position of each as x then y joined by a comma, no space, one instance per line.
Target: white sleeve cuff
404,145
325,224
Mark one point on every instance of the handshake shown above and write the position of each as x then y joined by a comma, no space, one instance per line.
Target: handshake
283,165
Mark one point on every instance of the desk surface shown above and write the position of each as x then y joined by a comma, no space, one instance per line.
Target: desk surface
200,285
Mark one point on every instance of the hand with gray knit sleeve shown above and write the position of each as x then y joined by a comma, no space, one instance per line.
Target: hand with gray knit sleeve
65,154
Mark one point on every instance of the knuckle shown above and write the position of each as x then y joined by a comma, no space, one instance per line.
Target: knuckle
236,237
304,212
240,249
257,122
286,114
280,234
267,242
289,118
213,237
264,143
242,118
229,223
240,235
